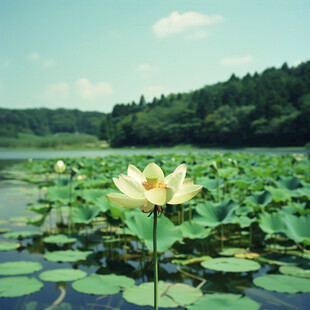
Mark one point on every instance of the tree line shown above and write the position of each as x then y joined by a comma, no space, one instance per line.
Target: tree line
42,122
267,109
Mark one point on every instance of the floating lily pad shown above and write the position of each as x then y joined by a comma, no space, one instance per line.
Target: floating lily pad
169,295
67,256
19,286
231,264
65,275
283,283
281,260
59,239
191,260
22,234
60,194
7,246
295,271
232,251
102,284
4,230
17,268
224,302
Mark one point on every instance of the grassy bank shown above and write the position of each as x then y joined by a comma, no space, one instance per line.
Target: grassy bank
57,141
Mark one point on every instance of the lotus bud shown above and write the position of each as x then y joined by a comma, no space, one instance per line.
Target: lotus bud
60,167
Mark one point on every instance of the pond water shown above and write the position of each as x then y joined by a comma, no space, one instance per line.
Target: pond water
44,154
121,257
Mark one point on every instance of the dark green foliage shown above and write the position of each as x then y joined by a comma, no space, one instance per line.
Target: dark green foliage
43,121
267,109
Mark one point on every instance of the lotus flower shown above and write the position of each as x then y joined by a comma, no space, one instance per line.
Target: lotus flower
150,188
60,167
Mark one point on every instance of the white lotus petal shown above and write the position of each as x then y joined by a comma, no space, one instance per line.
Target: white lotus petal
147,207
125,201
188,181
170,192
177,177
153,171
135,173
168,177
129,186
185,193
156,196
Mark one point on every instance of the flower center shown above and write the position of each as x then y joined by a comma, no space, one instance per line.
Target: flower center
153,183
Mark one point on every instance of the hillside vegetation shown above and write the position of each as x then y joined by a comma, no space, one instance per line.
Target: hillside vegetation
267,109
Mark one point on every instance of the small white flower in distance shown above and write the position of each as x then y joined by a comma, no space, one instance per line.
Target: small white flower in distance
146,189
60,167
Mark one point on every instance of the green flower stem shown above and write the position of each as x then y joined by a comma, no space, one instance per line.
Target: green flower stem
155,259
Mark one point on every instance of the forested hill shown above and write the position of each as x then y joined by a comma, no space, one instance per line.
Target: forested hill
267,109
45,121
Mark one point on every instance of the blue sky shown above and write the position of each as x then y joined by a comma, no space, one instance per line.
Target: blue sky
93,54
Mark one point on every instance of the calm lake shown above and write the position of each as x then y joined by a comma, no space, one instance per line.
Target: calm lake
45,154
115,256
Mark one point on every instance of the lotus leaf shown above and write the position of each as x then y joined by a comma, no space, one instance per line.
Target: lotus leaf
85,213
169,295
194,230
141,225
283,283
102,284
244,221
92,195
214,214
231,264
271,223
7,246
191,260
22,234
19,286
59,194
289,183
210,184
279,194
67,256
295,271
232,251
224,302
20,267
62,239
62,275
297,228
261,198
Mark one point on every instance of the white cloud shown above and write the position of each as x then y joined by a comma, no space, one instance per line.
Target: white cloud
58,92
146,70
48,63
155,91
177,23
236,61
297,62
37,58
34,56
88,91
